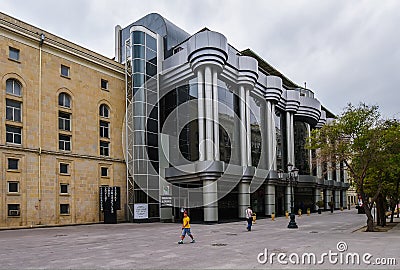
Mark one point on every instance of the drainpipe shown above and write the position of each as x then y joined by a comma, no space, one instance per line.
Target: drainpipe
40,129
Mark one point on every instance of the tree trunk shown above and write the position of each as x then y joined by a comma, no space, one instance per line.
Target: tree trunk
384,208
370,219
391,217
378,211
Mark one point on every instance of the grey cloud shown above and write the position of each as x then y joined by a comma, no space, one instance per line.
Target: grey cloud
347,51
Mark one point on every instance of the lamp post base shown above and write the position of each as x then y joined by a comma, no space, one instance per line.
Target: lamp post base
292,222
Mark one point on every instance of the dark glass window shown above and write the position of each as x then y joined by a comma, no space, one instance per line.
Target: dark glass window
151,70
13,54
64,100
281,142
13,110
13,87
64,71
138,51
104,171
151,56
64,209
154,210
13,210
13,187
64,168
64,142
104,148
104,84
152,153
152,125
104,129
140,196
138,65
138,37
138,80
151,42
255,125
301,153
13,163
64,188
104,111
13,134
152,139
64,121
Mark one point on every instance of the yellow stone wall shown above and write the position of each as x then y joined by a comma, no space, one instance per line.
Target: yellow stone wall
38,174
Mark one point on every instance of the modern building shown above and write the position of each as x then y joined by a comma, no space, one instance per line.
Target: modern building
177,121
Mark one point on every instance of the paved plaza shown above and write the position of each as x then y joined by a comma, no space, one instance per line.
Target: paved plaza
219,246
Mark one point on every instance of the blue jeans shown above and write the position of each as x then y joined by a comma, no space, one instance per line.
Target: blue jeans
249,223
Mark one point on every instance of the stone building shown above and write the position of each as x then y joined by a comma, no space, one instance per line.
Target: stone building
60,137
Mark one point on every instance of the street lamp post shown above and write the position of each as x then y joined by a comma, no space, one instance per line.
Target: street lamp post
292,178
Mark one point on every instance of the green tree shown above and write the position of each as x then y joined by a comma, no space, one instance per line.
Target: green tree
358,138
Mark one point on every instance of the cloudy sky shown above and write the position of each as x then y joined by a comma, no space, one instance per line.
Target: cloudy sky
346,50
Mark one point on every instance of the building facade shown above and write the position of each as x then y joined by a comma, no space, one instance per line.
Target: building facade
177,121
226,121
61,121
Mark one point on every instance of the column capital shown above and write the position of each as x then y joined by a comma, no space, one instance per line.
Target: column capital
207,48
248,71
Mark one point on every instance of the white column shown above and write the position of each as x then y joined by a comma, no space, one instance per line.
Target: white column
273,130
268,150
328,196
288,194
269,199
292,138
215,112
337,199
309,151
209,114
248,127
289,138
210,201
200,111
243,138
244,198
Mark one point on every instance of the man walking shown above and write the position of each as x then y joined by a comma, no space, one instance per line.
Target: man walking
186,228
249,217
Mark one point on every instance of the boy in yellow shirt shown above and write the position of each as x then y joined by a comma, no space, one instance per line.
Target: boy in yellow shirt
186,228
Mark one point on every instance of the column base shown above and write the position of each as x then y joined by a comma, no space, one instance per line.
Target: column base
292,223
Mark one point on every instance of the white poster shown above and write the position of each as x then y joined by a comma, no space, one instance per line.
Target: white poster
141,211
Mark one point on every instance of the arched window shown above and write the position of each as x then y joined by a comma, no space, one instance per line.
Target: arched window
64,100
13,87
104,111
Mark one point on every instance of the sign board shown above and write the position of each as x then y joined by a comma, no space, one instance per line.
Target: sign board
140,211
166,201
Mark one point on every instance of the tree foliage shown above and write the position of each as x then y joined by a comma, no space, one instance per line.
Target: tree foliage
369,147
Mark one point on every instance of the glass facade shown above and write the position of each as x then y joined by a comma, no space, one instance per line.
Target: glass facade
281,143
178,119
301,154
256,134
228,117
145,121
